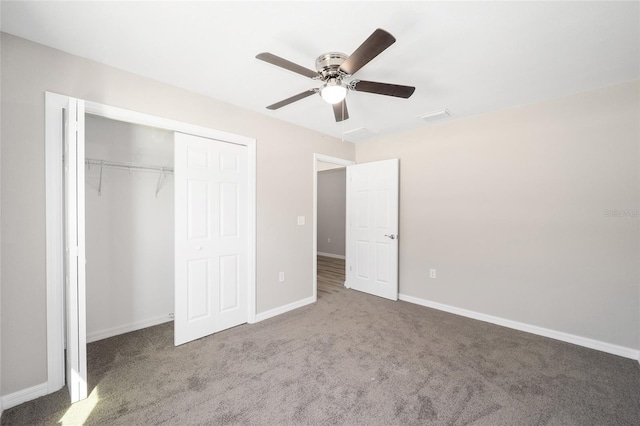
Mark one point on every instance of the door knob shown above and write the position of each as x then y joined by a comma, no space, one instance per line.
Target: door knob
392,236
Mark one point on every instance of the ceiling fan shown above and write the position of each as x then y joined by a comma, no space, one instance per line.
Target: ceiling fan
334,68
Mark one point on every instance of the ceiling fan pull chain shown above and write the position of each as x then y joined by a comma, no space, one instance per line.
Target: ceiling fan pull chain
342,122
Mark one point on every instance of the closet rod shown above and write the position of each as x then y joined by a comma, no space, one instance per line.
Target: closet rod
128,166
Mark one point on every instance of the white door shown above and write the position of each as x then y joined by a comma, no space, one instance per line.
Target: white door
372,228
76,348
211,240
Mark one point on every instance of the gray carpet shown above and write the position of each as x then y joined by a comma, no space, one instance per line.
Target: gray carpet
349,359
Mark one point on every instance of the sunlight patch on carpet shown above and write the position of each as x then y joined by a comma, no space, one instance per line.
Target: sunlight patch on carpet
79,412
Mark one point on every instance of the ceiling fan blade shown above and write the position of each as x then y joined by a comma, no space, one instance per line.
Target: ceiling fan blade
372,47
292,99
288,65
340,111
383,88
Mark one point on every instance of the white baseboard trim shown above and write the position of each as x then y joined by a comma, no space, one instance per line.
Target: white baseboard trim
541,331
24,395
138,325
286,308
336,256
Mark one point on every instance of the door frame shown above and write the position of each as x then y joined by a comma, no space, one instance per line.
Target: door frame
325,159
54,182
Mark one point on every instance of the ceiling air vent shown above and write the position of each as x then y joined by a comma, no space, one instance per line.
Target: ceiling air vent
358,134
437,115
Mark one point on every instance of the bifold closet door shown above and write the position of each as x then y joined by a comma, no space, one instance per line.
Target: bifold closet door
211,240
75,277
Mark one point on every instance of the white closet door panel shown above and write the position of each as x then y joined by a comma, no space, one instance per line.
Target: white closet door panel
195,221
75,277
232,306
211,236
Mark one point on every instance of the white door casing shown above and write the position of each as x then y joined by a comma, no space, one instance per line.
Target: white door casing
372,228
211,242
75,282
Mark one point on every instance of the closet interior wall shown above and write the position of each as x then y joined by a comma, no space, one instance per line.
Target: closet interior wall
129,228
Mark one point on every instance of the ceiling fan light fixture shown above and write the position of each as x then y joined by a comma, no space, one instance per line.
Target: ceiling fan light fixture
333,91
333,67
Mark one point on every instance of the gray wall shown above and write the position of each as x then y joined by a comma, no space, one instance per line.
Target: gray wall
511,209
284,187
129,230
332,196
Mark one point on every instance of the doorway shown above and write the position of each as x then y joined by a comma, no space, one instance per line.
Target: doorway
372,224
322,163
58,133
332,210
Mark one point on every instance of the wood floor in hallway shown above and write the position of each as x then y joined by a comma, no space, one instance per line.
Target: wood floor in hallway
330,275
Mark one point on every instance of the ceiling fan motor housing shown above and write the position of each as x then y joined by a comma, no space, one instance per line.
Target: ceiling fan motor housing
328,64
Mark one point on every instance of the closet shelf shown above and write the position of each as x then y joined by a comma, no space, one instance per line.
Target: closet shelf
128,166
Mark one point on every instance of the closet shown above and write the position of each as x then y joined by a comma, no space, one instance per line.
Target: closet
149,220
129,214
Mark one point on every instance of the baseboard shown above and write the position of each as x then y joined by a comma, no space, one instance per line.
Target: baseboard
24,395
286,308
126,328
541,331
335,256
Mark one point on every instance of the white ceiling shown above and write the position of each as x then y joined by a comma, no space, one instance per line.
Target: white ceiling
468,57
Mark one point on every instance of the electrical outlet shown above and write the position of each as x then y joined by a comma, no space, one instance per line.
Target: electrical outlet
301,220
171,315
432,273
281,277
